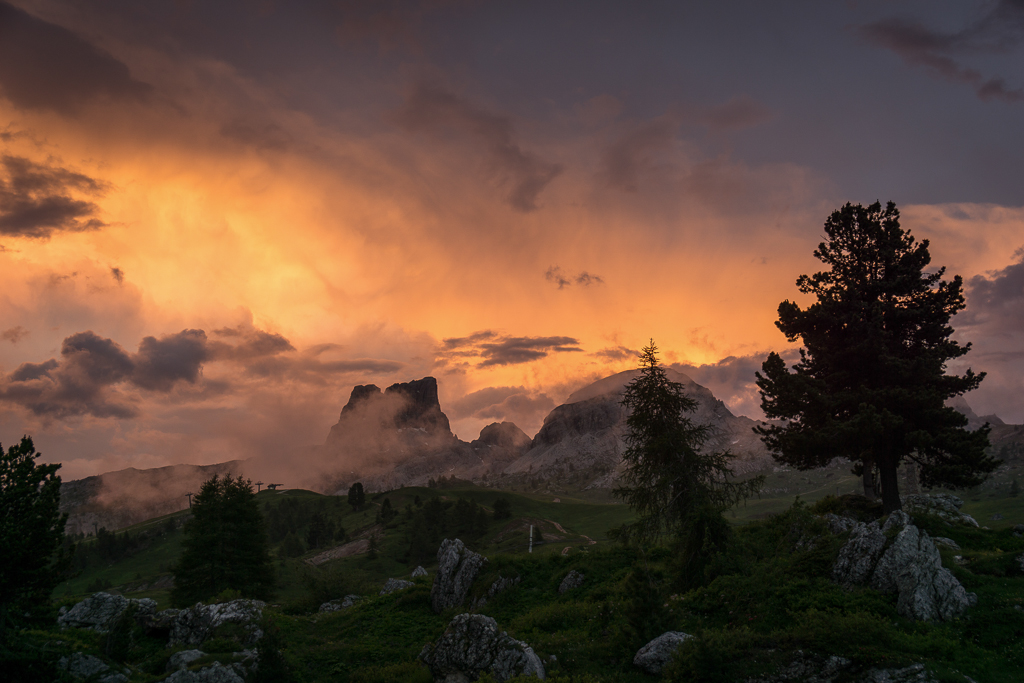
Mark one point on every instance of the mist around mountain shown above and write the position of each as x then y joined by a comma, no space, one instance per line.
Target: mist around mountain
400,436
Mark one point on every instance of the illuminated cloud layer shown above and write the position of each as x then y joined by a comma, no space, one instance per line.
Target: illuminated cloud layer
217,218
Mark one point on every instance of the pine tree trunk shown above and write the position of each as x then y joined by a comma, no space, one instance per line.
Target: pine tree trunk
890,486
869,480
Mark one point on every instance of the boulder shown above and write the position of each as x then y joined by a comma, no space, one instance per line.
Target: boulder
393,585
946,506
946,543
502,584
473,645
915,673
215,673
344,603
81,667
573,579
419,571
457,568
194,625
99,611
181,660
653,656
839,525
1018,530
910,566
857,558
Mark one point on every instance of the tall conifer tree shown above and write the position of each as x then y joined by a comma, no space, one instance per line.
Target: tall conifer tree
871,384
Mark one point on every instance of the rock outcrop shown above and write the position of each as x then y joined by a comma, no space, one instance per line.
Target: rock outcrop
83,667
910,566
344,603
473,645
393,585
573,579
945,506
457,568
653,656
215,673
181,660
811,668
419,571
101,610
195,625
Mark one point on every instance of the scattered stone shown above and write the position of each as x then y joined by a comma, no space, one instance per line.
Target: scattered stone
945,506
215,673
99,611
502,584
181,660
946,543
1020,561
1018,530
419,571
83,667
996,517
344,603
915,673
653,656
473,645
839,525
808,668
194,625
573,579
457,568
393,585
858,557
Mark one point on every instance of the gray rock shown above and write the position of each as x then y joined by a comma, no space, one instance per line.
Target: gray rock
946,506
344,603
897,520
653,656
838,525
83,667
99,611
473,645
1020,561
502,584
393,585
1018,530
215,673
181,660
457,568
946,543
927,591
915,673
808,668
573,579
857,558
419,571
194,625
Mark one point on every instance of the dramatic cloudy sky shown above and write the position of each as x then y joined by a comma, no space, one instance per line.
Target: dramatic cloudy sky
216,218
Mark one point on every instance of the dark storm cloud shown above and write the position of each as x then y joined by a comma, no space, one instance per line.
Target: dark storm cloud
14,334
559,277
46,66
433,109
36,201
171,358
253,343
996,301
998,31
394,25
474,401
615,353
495,349
117,274
732,379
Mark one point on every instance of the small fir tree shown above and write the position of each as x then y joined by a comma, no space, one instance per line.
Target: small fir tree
225,545
356,496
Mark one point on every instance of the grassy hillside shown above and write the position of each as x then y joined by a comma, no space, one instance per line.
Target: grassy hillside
764,600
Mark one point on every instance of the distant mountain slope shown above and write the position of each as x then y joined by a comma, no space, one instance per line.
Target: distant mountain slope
584,438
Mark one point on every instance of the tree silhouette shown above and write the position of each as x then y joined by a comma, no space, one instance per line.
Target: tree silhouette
356,496
671,480
31,531
871,384
225,545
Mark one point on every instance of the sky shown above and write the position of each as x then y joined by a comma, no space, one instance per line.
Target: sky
217,218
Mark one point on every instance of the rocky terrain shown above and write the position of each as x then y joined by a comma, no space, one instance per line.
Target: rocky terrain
400,436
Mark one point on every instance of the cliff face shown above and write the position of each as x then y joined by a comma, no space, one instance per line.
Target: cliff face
584,439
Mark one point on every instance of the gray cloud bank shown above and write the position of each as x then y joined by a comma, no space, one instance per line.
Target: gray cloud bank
36,199
495,349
